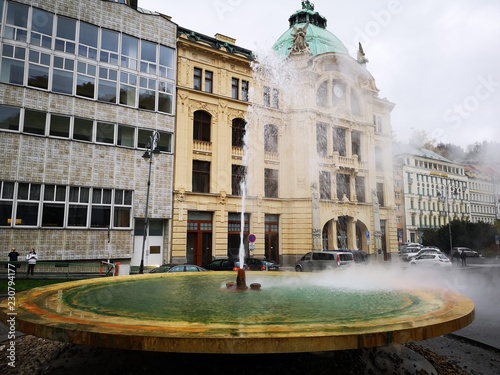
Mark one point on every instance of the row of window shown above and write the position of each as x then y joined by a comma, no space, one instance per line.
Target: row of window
203,80
77,128
76,58
60,206
201,183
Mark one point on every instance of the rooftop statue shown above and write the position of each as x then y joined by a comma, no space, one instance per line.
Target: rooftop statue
307,5
299,40
361,55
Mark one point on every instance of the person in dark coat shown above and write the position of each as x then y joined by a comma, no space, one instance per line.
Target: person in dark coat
463,256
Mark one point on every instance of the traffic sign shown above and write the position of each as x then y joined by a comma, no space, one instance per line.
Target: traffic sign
251,238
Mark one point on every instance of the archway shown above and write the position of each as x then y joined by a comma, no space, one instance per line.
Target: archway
345,232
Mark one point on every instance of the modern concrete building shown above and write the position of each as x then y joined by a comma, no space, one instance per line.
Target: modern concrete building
83,86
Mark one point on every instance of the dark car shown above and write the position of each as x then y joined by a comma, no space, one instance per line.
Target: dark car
177,268
255,264
223,265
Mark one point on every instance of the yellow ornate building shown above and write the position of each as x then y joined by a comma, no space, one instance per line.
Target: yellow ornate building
304,128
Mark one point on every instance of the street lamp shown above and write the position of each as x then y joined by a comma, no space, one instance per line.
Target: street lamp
445,196
151,148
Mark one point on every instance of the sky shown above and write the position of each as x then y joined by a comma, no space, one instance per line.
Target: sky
437,61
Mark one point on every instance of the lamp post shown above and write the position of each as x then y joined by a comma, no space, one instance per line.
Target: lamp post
447,189
151,148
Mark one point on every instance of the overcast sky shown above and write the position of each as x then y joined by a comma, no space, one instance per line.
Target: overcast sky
438,61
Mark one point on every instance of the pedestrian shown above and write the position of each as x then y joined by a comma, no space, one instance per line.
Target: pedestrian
463,256
13,255
32,258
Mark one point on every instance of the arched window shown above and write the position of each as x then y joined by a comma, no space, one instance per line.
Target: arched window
322,95
201,126
271,138
239,128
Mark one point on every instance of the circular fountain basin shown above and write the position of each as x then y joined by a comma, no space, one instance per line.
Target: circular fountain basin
197,313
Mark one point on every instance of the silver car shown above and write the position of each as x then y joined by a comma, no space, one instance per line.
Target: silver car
324,260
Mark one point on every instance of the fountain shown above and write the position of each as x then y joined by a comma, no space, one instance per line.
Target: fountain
190,313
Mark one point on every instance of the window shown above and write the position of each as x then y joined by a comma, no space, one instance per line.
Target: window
209,80
107,88
109,46
201,130
244,91
126,136
201,176
87,43
13,64
325,185
65,35
355,104
147,93
148,57
238,173
59,126
122,209
321,140
339,144
343,186
28,201
322,95
38,71
356,144
34,122
380,193
54,199
360,189
130,52
128,88
83,129
16,25
276,99
271,183
271,138
9,117
235,85
41,28
85,83
101,208
62,75
238,132
6,200
167,62
197,79
166,97
267,96
78,206
165,142
377,120
105,133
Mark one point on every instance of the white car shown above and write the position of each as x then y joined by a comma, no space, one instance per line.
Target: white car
431,260
409,252
424,250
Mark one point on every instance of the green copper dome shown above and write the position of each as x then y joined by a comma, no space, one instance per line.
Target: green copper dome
318,39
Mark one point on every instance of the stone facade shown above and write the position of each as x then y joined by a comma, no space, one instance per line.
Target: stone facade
45,160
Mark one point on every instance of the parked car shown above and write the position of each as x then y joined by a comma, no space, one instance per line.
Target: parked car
431,260
324,260
468,252
163,268
223,265
168,268
425,250
360,256
403,246
255,264
409,252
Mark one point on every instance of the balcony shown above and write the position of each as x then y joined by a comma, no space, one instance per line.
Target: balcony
238,153
272,157
201,147
346,162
